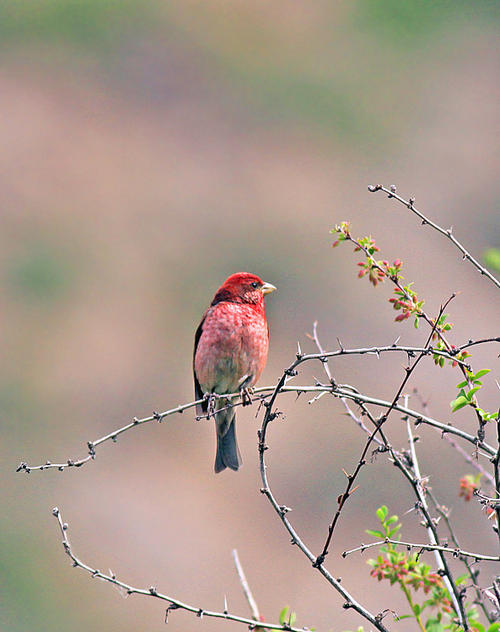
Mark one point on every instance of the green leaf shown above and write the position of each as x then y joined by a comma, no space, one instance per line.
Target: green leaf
293,618
382,513
284,614
491,257
416,322
433,625
494,627
471,392
391,520
482,372
375,533
462,579
458,403
462,384
416,609
475,625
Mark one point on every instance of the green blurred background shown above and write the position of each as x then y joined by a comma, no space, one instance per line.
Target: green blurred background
148,150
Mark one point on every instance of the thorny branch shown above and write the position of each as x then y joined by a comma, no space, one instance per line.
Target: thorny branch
174,604
447,232
377,351
282,510
444,513
455,552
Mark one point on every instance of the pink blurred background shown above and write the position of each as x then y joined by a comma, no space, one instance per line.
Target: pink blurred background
147,151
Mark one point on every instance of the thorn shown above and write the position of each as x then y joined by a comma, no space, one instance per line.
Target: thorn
340,345
225,605
299,351
396,341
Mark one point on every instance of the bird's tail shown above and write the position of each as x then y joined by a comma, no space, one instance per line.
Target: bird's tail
227,454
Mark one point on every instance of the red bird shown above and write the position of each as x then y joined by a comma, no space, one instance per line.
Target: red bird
230,352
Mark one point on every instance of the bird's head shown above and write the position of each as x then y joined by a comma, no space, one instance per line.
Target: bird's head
243,287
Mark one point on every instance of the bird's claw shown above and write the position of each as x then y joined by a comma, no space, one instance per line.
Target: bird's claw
246,396
211,398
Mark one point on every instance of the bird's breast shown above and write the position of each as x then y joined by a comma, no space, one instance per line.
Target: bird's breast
232,347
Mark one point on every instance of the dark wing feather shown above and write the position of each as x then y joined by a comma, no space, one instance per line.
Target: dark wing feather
198,393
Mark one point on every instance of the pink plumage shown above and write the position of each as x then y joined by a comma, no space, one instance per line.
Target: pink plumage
230,353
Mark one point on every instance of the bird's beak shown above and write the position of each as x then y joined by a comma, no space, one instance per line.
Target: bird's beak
267,288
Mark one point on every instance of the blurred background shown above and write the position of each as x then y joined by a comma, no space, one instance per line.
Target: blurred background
147,151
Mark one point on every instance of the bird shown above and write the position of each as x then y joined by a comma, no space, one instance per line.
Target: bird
230,353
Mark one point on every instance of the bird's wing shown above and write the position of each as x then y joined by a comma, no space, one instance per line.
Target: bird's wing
198,393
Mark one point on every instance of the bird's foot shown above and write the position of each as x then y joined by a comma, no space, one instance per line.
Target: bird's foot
212,398
246,396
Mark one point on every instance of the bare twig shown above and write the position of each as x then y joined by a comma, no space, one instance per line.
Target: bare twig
474,463
455,552
246,588
472,343
323,358
359,422
153,592
391,193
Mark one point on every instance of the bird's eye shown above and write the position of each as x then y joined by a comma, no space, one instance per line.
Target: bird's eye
255,285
